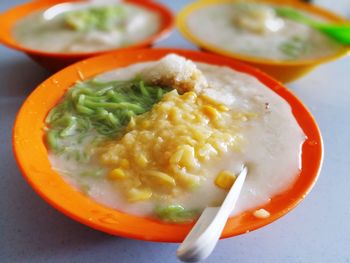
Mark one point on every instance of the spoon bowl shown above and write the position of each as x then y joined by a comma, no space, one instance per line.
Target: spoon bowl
202,239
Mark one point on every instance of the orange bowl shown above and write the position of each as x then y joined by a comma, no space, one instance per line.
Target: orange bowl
55,61
284,71
32,156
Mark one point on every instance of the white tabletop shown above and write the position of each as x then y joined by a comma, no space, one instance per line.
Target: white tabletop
318,230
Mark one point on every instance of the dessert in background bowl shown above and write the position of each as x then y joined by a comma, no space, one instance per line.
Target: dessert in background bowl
260,33
58,33
138,143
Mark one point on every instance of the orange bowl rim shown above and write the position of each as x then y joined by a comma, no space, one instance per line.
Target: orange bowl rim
32,158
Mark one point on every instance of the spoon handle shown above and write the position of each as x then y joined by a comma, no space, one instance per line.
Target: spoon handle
339,32
203,237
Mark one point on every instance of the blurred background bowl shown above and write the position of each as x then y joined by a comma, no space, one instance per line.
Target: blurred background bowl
284,71
54,61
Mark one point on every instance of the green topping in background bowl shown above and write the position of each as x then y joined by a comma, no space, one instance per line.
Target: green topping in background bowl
96,18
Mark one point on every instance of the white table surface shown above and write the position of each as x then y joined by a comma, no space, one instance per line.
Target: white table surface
318,230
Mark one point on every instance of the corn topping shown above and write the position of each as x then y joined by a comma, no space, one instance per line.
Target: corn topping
225,180
139,194
166,151
116,174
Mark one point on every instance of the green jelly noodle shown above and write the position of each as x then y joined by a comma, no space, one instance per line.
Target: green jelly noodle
175,214
103,109
95,18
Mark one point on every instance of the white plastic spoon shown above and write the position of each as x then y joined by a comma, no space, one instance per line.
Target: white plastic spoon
202,239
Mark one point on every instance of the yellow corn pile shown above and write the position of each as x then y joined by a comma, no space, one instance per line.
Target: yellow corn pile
166,150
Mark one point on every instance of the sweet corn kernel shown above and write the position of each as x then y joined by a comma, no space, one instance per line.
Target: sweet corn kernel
188,140
137,194
142,160
190,96
132,123
206,152
165,133
116,174
200,120
188,159
189,117
145,124
225,180
198,135
161,178
176,157
208,100
220,145
222,108
204,133
124,163
174,115
186,180
167,154
165,106
210,112
129,137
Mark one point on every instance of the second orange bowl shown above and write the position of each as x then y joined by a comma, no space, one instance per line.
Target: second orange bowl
55,61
